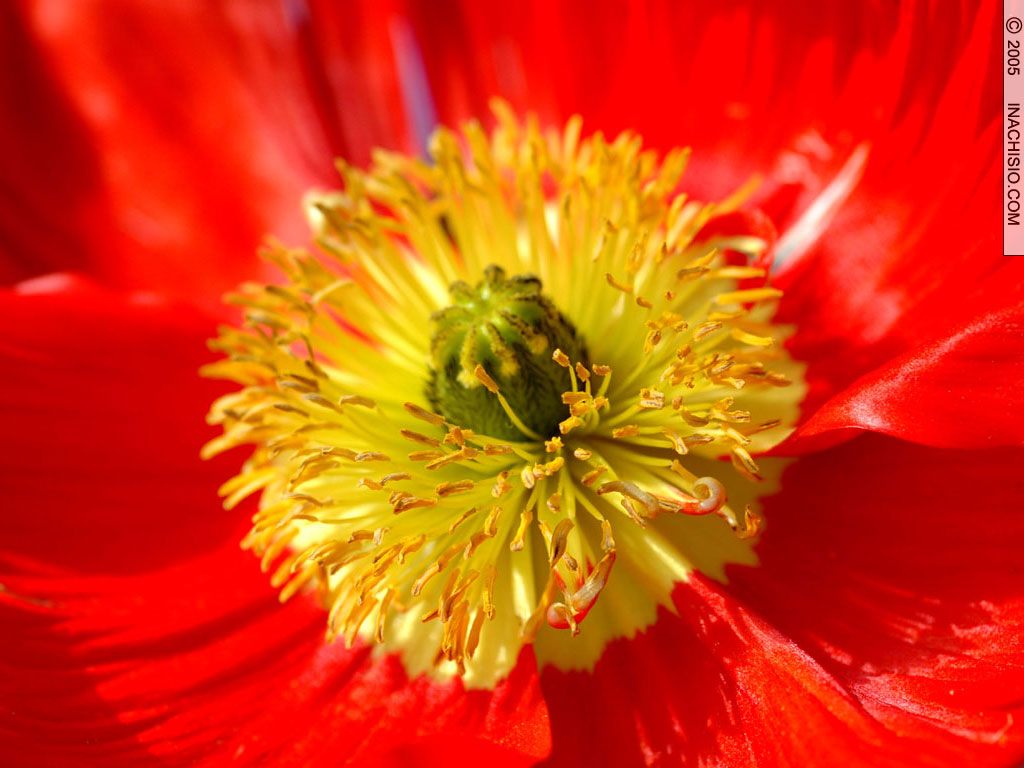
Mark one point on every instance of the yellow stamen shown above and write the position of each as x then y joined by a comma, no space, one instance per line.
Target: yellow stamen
484,538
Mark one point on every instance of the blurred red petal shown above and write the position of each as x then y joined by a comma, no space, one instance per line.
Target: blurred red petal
48,169
354,58
753,87
179,159
103,414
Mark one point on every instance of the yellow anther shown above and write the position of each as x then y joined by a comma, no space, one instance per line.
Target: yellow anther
553,466
705,329
651,398
359,400
501,485
451,488
484,379
425,455
559,541
525,518
497,450
566,426
677,442
424,414
413,502
416,437
491,523
579,409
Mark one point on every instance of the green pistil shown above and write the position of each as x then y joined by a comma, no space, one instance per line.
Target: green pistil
507,326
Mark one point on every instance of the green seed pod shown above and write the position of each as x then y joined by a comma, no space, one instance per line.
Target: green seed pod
507,326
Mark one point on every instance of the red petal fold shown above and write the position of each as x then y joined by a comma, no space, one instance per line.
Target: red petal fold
961,391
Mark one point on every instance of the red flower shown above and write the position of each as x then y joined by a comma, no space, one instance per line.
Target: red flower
151,148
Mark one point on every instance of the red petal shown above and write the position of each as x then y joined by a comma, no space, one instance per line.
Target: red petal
715,685
677,73
356,59
172,159
135,628
103,414
47,155
718,685
199,662
752,86
913,254
962,391
897,568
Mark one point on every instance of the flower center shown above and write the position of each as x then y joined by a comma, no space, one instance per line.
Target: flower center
509,328
539,490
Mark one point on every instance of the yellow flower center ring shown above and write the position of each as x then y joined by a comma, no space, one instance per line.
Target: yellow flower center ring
493,408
